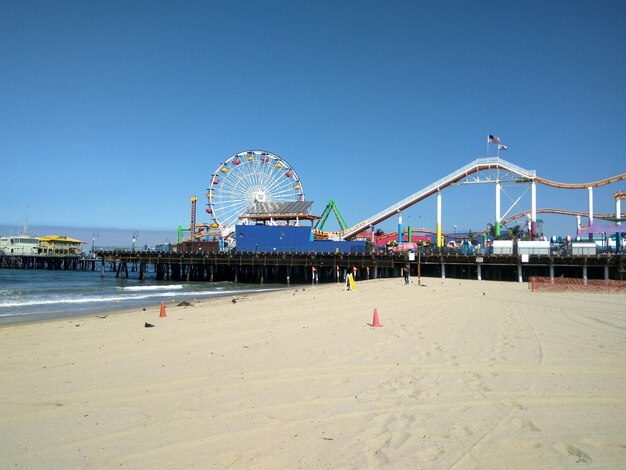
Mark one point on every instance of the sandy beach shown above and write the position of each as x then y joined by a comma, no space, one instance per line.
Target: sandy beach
462,374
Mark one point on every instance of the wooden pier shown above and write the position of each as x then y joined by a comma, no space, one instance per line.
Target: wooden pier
300,268
65,262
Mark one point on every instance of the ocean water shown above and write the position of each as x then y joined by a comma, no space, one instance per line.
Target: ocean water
27,295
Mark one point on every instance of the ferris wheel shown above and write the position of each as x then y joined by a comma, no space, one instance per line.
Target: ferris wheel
249,177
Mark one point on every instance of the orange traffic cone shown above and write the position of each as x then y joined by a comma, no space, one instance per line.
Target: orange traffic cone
375,321
162,314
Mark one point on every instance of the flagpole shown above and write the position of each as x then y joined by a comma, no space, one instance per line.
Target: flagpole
487,146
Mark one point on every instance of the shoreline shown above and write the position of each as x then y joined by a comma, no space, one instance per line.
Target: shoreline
124,310
110,310
171,304
468,374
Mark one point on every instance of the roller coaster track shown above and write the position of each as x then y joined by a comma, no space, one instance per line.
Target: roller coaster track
478,165
593,184
519,215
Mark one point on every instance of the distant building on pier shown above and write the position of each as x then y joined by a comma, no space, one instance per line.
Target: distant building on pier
58,245
19,245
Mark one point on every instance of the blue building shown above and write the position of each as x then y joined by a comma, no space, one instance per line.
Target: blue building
289,239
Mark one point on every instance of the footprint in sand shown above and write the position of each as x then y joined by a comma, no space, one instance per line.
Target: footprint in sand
429,454
523,423
452,361
228,458
475,382
398,430
408,393
573,451
460,430
513,403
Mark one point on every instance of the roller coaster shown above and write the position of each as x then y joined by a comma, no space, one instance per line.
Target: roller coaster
509,219
483,170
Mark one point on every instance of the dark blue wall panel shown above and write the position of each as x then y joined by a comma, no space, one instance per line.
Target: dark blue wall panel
288,239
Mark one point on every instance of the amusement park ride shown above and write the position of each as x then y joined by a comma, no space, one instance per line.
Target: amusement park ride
254,176
246,178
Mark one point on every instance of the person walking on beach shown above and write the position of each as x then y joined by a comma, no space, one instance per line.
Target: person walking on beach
406,268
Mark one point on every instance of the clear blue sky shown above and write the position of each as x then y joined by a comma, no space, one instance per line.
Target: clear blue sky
113,113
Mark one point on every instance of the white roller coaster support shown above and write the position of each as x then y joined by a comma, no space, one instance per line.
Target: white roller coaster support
590,189
439,237
618,210
533,209
474,167
498,216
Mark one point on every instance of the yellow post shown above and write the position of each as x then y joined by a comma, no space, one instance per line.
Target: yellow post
439,236
352,283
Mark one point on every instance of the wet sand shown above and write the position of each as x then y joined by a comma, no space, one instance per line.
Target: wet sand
462,374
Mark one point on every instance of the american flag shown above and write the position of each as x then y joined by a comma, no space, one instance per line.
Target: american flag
502,147
493,139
